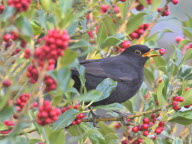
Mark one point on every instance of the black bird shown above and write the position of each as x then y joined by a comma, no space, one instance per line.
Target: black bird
127,69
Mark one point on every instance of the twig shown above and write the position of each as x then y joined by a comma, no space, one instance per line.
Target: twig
120,119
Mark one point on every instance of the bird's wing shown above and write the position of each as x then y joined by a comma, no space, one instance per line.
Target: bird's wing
106,69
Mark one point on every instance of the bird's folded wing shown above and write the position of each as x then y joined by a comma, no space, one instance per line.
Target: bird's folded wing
93,67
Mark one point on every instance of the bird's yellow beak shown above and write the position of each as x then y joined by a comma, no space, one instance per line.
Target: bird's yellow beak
147,54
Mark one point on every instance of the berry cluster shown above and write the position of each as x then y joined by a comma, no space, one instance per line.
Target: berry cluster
138,32
78,118
56,43
148,128
164,12
22,100
6,83
47,114
140,6
20,5
105,8
175,102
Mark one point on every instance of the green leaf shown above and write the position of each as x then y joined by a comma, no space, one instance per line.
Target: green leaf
188,55
65,119
75,130
110,107
15,140
46,5
7,13
3,127
160,96
148,140
68,58
94,135
135,22
25,27
110,26
65,5
177,141
183,43
102,33
112,40
90,96
184,118
184,71
62,76
57,137
128,104
187,98
6,113
155,4
106,87
188,32
72,28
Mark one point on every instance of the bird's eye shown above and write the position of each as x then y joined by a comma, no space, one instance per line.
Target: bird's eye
137,52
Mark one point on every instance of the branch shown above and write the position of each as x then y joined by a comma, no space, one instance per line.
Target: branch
120,118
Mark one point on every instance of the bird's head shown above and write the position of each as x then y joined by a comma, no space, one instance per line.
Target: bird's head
140,52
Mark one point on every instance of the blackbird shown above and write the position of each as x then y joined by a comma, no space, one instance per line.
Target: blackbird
127,69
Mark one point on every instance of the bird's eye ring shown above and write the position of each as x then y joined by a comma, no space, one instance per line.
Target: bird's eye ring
137,52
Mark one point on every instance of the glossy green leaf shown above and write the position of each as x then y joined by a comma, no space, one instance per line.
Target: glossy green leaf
110,26
46,5
15,140
6,113
106,87
188,32
26,30
65,119
148,140
160,96
65,5
75,130
187,98
57,137
3,127
110,107
112,40
71,29
188,55
7,13
135,22
155,4
68,57
90,96
129,105
102,33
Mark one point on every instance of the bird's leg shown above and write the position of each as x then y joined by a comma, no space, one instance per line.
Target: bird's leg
94,116
124,116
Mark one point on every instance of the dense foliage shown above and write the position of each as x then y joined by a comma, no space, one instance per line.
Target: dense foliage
42,40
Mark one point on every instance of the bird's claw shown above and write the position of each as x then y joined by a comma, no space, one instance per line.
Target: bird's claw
95,117
124,116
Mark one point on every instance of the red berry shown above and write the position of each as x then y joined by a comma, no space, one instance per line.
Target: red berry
161,124
117,125
180,99
176,107
153,116
145,133
178,39
76,106
116,9
124,142
140,7
174,103
158,131
135,129
188,88
6,83
146,120
175,2
122,0
145,126
7,37
74,123
78,121
125,44
154,137
162,51
139,140
187,106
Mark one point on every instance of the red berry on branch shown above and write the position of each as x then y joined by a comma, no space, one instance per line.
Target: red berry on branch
178,39
125,44
145,126
161,124
175,2
174,103
162,51
146,120
188,88
7,37
135,129
145,133
117,125
6,83
187,106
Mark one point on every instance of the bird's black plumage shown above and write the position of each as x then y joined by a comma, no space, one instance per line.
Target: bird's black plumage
127,69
